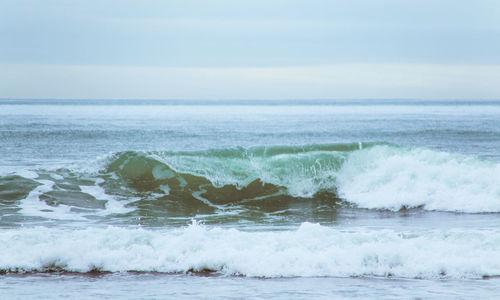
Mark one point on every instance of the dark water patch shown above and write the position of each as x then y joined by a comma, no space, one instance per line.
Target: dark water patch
72,198
14,188
65,186
53,269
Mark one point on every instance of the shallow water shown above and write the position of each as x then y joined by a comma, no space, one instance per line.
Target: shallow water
363,199
154,286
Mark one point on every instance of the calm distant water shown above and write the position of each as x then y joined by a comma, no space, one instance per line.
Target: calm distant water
346,199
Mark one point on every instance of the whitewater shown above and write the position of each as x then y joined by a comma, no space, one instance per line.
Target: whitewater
369,196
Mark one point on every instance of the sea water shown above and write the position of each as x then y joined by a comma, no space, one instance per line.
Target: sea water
251,199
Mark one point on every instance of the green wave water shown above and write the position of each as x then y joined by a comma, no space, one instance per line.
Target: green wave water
233,174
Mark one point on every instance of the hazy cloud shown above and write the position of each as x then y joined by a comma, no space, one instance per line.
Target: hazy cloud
220,37
333,81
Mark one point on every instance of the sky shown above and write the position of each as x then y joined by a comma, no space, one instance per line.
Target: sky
235,49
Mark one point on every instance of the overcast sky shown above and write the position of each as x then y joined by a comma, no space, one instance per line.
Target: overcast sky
230,49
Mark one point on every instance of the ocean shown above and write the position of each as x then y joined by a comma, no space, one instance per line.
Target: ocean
359,199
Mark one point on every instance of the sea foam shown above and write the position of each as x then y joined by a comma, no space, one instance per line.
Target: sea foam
384,177
310,250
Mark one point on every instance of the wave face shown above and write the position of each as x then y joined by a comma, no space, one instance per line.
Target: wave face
311,250
232,174
364,175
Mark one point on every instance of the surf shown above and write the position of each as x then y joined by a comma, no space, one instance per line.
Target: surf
310,250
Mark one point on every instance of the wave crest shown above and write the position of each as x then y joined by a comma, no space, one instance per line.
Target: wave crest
386,177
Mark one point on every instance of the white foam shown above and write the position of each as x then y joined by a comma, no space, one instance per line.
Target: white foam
27,174
89,167
113,205
34,207
165,189
312,250
384,177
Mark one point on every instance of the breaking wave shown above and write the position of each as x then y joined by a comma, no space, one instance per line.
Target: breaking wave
375,176
364,175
